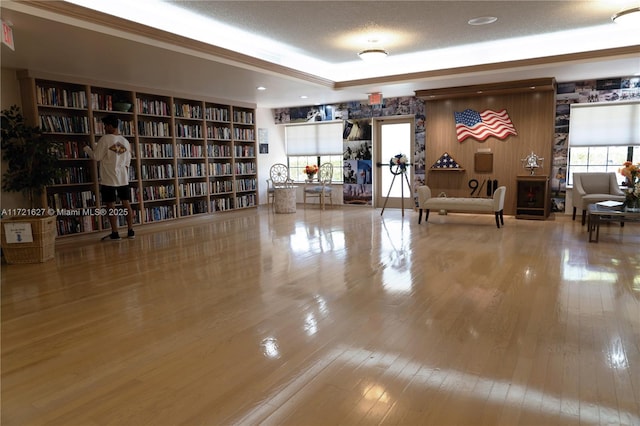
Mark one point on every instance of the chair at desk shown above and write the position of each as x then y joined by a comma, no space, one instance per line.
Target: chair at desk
322,187
278,178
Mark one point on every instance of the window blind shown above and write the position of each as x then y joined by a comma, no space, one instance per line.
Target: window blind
604,124
314,139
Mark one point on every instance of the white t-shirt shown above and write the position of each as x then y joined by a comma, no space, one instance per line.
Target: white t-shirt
114,154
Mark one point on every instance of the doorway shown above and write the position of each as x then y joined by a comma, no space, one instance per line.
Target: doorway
393,136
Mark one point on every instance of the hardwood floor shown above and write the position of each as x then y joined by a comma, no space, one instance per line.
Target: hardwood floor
340,316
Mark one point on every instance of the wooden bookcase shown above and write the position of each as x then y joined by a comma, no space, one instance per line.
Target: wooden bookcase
190,156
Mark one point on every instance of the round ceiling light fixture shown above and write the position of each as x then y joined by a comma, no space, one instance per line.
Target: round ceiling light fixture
628,17
373,55
482,20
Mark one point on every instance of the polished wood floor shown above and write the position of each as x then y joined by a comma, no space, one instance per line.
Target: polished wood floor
331,317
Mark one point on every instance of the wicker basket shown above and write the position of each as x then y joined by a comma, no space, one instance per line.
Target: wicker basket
41,249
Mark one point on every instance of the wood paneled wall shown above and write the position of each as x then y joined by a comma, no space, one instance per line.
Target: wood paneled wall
532,111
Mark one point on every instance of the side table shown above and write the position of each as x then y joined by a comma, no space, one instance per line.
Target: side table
285,199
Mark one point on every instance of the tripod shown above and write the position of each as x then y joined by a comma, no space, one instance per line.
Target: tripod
398,171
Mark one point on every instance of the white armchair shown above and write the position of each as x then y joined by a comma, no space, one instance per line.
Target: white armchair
590,188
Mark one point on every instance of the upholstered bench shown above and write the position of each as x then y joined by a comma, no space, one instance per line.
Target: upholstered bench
493,205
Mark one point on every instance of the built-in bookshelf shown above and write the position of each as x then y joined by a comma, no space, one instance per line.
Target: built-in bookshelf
189,156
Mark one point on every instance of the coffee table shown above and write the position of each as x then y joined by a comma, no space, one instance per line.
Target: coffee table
598,214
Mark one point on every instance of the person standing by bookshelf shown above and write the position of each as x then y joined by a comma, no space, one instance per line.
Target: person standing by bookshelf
113,151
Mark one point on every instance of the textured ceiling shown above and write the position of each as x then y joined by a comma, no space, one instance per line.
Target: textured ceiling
316,27
326,32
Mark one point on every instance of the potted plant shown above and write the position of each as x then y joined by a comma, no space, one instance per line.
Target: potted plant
29,232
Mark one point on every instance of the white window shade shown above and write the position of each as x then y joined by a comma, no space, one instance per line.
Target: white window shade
314,139
604,124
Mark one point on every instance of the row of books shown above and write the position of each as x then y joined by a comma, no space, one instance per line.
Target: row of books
156,150
157,171
71,150
72,200
191,170
245,151
73,175
244,134
196,207
248,200
245,168
135,194
158,192
157,213
193,189
152,107
75,224
187,111
64,124
54,96
218,133
102,102
216,114
220,169
219,150
245,184
244,117
190,151
188,131
62,97
158,129
220,186
221,204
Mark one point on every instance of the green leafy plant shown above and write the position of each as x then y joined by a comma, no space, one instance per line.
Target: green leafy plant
32,161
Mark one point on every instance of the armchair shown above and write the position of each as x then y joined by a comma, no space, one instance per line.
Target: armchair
590,188
321,188
278,178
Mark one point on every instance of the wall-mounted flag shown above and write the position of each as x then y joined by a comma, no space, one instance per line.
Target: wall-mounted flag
446,162
472,124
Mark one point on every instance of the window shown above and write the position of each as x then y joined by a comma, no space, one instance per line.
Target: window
602,136
316,143
297,163
584,159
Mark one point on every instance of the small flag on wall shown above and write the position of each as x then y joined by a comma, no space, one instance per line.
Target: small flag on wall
472,124
446,162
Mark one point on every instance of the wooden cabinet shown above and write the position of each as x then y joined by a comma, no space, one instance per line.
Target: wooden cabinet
532,200
190,156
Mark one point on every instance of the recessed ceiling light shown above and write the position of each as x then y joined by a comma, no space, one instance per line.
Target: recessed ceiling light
303,96
261,88
482,20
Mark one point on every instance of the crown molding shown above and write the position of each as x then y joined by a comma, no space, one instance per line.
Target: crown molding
88,16
621,52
